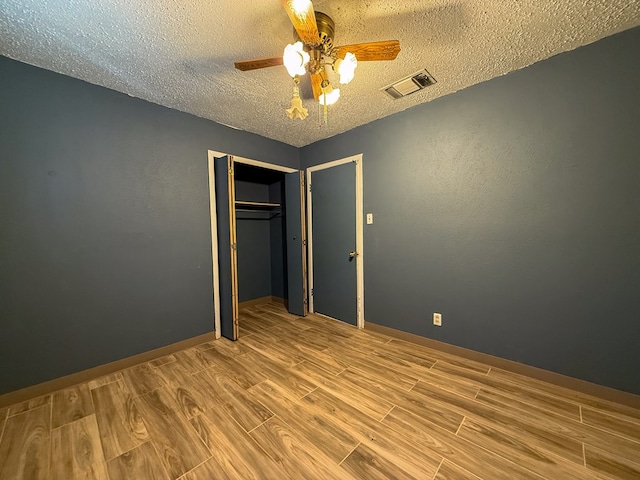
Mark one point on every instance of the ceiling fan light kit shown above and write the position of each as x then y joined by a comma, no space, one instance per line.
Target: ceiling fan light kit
295,59
313,52
329,95
346,67
300,7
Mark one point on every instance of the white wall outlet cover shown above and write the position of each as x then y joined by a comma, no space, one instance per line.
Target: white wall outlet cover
437,319
369,218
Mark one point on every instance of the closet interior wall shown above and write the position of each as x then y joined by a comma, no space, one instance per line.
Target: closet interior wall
260,233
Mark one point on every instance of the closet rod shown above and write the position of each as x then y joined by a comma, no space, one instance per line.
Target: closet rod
257,204
261,218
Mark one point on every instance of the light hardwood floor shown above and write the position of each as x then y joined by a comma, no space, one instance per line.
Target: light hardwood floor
315,399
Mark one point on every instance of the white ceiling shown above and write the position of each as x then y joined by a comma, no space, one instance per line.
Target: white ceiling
180,53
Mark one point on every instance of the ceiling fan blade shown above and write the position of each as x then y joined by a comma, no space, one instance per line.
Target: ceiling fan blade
316,85
304,22
258,63
386,50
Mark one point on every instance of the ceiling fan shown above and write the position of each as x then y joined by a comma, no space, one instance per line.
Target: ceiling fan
315,50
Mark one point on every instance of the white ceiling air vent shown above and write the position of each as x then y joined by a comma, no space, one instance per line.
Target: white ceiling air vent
408,85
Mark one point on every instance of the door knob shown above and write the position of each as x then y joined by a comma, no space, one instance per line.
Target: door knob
353,255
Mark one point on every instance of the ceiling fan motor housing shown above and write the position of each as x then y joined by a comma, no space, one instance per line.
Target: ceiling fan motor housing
326,33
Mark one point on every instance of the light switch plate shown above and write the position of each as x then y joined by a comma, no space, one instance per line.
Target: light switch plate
369,218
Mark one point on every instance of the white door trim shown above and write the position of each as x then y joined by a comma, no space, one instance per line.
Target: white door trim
214,241
258,163
211,155
255,163
357,159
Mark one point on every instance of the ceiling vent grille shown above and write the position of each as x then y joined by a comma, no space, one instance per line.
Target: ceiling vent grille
408,85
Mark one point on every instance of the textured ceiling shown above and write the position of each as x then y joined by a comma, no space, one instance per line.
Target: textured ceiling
180,53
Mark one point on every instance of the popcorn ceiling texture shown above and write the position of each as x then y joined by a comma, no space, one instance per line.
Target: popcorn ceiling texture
180,54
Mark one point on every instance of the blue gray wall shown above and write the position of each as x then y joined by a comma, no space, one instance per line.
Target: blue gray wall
513,208
105,245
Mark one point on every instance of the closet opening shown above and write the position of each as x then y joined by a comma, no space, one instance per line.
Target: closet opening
258,242
260,235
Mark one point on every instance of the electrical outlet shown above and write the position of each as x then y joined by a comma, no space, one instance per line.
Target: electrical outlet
369,218
437,319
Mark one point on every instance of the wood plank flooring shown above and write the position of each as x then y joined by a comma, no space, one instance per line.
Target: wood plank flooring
313,398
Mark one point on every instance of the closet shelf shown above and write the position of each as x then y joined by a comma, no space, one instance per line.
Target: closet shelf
271,209
257,205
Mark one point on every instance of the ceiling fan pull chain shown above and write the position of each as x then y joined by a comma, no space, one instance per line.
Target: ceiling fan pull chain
326,116
323,117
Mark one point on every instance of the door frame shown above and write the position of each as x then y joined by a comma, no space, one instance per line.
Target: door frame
211,155
357,159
